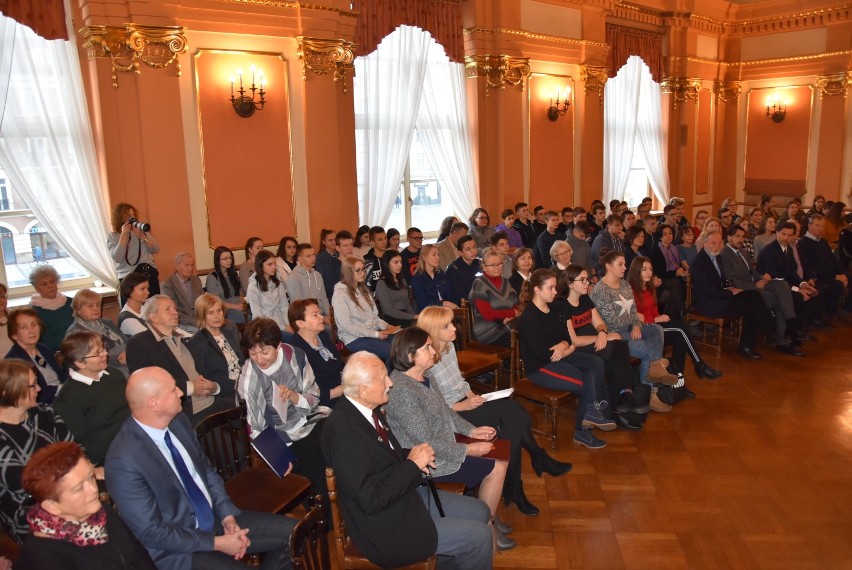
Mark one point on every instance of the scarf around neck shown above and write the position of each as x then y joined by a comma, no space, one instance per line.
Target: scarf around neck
90,532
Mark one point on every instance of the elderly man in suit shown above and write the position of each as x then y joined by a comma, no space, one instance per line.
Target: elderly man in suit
713,295
184,287
739,269
171,497
389,512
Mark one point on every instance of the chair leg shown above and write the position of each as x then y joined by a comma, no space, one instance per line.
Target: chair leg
720,329
554,417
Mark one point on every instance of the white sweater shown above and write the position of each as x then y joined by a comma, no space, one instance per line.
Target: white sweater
354,321
271,304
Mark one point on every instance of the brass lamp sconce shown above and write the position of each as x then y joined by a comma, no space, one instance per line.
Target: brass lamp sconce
776,109
559,109
244,105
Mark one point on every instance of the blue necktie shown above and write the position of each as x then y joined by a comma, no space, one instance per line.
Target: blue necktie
203,512
716,264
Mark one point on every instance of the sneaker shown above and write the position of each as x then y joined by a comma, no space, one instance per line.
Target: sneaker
658,374
596,417
586,437
627,403
658,405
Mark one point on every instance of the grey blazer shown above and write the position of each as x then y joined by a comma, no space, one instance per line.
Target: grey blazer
418,414
736,271
185,307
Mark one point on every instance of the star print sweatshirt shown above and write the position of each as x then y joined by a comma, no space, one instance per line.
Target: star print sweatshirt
616,306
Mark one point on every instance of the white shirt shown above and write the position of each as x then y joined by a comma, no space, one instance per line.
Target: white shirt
368,414
74,375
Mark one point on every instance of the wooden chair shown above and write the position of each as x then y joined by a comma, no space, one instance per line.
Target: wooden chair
348,555
551,400
474,363
252,486
719,322
309,539
500,352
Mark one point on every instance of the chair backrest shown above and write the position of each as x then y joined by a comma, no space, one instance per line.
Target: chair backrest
340,537
688,291
224,438
468,311
516,365
309,540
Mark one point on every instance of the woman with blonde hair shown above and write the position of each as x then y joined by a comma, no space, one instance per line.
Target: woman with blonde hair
216,346
514,422
711,225
87,317
429,282
356,315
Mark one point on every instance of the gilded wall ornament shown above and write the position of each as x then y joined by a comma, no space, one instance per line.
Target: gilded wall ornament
727,91
498,70
594,79
322,56
129,45
681,89
834,84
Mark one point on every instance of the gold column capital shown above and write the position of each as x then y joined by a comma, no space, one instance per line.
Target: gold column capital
834,84
727,91
126,46
498,70
681,88
323,56
594,79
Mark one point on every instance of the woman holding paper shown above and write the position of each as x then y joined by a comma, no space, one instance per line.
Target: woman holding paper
512,420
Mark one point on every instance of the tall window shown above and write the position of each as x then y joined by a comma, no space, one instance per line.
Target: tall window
638,185
418,203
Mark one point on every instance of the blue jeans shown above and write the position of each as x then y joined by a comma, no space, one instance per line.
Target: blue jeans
580,373
647,349
379,347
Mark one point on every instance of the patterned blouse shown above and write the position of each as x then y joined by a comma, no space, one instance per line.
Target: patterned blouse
230,357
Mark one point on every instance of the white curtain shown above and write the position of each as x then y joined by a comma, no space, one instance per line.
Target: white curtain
443,129
633,108
46,145
387,88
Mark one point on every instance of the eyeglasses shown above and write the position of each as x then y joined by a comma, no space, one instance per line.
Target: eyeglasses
98,353
498,264
580,280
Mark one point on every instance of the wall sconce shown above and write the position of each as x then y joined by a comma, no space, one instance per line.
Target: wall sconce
244,105
556,111
777,110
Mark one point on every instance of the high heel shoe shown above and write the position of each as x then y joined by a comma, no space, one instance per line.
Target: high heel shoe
517,496
543,463
704,371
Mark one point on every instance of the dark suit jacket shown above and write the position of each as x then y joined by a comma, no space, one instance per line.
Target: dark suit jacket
151,499
735,270
384,515
48,393
709,295
779,265
144,350
210,360
185,307
658,261
818,260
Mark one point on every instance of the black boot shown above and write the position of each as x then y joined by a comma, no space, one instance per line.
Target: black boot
543,463
516,495
704,371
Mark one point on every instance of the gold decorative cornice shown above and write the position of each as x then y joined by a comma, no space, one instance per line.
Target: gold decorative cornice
774,61
834,84
594,79
323,56
294,6
535,36
727,91
498,70
681,88
126,46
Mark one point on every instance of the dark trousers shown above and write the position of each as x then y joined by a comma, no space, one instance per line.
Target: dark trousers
832,292
268,533
616,359
579,373
750,306
310,462
675,335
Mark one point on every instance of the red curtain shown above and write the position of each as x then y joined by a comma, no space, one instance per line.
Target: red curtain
624,42
441,18
45,17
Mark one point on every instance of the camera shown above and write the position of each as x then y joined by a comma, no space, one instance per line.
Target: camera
139,225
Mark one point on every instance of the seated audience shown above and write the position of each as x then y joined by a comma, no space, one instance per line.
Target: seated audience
461,272
362,242
393,239
546,239
356,315
567,222
493,302
818,206
267,293
765,234
51,306
280,391
834,224
393,294
285,258
131,249
161,347
713,296
418,414
254,245
634,240
598,219
430,284
577,239
411,253
710,225
390,515
480,228
794,212
373,258
215,348
183,287
551,361
5,342
323,356
649,224
25,427
500,244
671,218
522,264
766,202
307,283
328,263
171,497
523,224
700,219
672,270
726,219
135,289
224,283
611,239
446,225
560,255
687,249
70,527
508,228
87,317
447,251
25,329
729,205
514,422
92,402
538,222
825,268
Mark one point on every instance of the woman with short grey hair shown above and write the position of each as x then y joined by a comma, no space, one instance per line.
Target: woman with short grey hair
87,317
52,306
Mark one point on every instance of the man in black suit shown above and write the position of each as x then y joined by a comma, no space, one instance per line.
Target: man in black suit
389,512
776,259
714,296
820,262
738,267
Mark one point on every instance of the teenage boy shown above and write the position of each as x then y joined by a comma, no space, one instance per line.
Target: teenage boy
546,239
307,283
411,254
523,225
462,272
373,258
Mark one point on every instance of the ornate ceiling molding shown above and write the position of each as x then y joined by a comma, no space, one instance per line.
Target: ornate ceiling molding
834,84
535,36
323,56
594,79
126,46
294,6
681,89
498,70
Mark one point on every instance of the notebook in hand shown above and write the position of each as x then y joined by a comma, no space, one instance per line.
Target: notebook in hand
500,451
274,451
